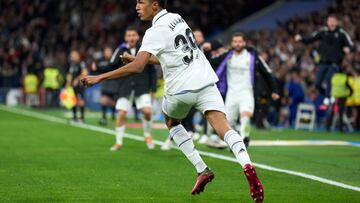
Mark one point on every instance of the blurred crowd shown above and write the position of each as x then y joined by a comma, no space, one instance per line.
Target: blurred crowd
297,63
38,34
213,17
35,35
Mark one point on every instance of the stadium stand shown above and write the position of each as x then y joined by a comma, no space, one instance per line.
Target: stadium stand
36,34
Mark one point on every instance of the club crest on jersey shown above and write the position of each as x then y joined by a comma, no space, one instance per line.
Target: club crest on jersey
175,22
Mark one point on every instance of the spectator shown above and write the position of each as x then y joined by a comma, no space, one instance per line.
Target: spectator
295,93
354,100
340,90
52,83
31,89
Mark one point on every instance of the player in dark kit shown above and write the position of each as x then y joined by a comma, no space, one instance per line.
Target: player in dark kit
77,69
134,89
335,43
109,88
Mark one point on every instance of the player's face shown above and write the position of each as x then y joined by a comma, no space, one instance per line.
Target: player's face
131,38
108,53
146,9
332,23
238,43
75,56
199,37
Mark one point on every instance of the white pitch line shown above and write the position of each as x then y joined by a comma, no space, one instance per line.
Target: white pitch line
204,153
300,143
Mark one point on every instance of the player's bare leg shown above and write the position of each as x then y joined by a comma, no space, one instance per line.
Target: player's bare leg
186,145
147,127
218,121
120,130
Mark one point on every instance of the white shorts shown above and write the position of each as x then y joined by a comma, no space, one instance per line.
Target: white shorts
236,104
177,106
125,103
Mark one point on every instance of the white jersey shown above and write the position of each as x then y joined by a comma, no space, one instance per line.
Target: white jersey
239,74
184,66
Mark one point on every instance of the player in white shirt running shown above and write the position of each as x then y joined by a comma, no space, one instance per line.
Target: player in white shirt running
189,81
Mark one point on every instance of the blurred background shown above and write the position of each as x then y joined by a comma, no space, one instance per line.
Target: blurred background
39,35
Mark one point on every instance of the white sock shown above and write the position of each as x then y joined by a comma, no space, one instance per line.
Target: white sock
237,146
120,131
245,126
186,145
147,127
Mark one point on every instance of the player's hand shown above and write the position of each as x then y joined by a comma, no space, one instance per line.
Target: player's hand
207,46
127,58
90,80
275,96
346,50
298,38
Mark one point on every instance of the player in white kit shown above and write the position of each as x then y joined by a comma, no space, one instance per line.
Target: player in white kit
189,81
239,69
240,96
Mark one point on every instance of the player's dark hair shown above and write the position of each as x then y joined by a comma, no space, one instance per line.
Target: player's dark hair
332,16
107,46
132,28
216,44
162,3
196,29
239,34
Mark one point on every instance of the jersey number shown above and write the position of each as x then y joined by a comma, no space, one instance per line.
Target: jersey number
187,44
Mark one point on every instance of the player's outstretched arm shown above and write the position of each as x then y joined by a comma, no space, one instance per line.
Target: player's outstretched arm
127,58
153,60
136,66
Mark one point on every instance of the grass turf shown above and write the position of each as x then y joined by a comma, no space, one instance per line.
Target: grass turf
42,161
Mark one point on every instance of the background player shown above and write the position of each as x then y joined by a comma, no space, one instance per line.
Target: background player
239,69
77,69
136,89
109,88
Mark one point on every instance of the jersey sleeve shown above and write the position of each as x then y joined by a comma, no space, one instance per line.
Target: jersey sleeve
317,35
153,42
347,40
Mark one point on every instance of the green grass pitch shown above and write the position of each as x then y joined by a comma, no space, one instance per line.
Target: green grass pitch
43,161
